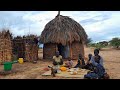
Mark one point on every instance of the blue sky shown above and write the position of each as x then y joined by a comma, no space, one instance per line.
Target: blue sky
99,25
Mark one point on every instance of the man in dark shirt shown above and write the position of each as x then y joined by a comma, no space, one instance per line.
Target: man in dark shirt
81,62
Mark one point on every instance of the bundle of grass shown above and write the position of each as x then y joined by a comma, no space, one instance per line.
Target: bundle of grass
5,46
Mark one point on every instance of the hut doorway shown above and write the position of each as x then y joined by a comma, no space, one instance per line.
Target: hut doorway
63,50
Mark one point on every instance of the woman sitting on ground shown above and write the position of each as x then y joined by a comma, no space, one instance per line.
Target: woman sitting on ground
57,60
81,62
98,71
96,53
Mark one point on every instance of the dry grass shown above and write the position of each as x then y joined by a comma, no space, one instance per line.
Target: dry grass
65,27
33,71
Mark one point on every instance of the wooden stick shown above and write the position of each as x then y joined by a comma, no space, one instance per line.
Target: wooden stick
58,13
70,51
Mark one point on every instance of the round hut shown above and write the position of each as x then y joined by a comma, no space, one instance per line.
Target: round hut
65,35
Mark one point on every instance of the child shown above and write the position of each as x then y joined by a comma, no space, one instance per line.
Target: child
88,64
69,63
89,56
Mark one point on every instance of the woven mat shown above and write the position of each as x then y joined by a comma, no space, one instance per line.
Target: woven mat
67,74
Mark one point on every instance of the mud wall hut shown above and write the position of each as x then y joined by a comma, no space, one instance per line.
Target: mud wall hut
5,46
65,35
25,47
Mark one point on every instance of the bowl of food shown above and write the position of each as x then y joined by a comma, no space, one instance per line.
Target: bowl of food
77,69
71,70
73,73
63,68
58,71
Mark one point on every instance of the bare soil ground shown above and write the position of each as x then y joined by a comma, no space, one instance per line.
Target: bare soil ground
29,70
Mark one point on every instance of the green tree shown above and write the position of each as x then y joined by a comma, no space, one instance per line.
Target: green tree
99,46
92,44
115,42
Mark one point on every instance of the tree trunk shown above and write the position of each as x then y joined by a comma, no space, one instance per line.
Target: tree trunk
58,13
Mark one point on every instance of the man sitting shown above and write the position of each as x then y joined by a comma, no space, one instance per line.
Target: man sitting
57,60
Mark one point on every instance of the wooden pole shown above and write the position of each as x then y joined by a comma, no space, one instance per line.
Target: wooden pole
58,13
70,51
70,47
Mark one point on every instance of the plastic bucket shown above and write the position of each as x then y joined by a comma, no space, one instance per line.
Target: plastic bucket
7,66
20,60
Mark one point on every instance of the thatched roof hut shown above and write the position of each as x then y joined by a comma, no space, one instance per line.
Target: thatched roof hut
63,33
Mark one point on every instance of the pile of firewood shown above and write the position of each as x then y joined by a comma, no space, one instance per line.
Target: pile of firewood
5,46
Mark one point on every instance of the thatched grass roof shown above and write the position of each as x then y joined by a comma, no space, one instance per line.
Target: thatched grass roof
64,30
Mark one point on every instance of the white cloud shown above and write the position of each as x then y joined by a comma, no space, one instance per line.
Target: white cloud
99,25
39,20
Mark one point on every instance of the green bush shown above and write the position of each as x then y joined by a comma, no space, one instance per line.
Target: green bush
99,46
115,42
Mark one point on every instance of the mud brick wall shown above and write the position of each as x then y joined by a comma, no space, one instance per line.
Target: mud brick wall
49,50
77,48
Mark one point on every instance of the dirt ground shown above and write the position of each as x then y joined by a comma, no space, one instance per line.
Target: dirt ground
29,70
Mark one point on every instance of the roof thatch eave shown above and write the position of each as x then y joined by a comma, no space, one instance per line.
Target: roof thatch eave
64,30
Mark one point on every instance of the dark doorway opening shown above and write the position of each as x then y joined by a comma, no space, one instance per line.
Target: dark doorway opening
63,50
